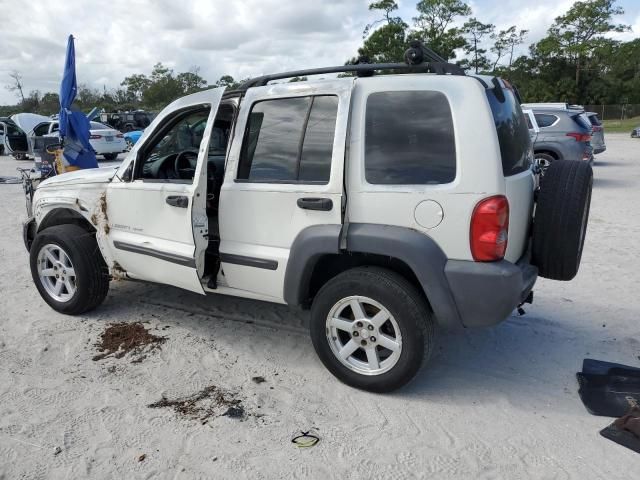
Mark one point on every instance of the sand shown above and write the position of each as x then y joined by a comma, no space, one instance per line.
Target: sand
492,403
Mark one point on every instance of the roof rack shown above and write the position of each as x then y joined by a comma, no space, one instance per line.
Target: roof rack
414,58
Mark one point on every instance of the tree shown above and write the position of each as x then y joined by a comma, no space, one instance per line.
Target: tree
476,31
228,82
576,34
433,25
191,81
505,43
16,84
135,86
388,42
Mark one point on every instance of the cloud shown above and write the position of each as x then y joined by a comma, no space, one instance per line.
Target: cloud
242,38
122,37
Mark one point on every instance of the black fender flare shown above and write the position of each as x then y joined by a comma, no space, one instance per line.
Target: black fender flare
417,250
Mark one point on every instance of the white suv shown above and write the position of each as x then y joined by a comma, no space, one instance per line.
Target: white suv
385,203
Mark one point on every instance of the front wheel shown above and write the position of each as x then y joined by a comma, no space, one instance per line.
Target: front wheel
129,144
371,328
68,269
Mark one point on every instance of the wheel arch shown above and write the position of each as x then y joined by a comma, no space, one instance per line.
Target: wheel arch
316,257
549,151
65,215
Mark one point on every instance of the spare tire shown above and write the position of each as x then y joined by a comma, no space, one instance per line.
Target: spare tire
560,222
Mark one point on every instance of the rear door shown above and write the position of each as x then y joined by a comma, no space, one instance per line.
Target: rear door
16,139
285,173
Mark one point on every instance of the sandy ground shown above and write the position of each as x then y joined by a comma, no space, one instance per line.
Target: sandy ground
494,403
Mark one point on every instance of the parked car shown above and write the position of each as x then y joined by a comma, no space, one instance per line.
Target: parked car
105,140
13,141
597,135
131,138
564,133
635,133
386,204
128,121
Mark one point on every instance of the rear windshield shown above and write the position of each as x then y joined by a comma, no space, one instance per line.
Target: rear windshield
593,118
581,119
512,130
99,126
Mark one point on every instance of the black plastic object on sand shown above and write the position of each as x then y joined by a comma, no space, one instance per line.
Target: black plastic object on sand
598,367
610,395
625,431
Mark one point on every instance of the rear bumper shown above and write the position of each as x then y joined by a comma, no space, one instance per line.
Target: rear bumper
599,149
487,293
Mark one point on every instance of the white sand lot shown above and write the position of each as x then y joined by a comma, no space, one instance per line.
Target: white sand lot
495,403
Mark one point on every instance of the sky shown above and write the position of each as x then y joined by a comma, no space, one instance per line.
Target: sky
241,38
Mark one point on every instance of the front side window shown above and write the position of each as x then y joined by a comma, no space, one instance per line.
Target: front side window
289,140
173,154
409,139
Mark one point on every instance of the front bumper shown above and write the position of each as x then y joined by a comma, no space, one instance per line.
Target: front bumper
487,293
29,232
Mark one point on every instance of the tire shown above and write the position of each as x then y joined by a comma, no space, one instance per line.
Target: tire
129,144
409,314
561,218
91,280
20,156
110,156
1,149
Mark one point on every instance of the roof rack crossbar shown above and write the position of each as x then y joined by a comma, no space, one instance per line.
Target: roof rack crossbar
362,69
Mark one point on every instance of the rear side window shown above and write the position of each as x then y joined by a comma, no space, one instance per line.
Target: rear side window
289,140
545,120
409,139
512,130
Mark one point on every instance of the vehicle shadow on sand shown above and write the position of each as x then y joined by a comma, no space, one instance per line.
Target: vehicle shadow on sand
524,360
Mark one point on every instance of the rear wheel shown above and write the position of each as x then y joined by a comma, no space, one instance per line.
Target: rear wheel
371,328
129,144
543,160
68,269
560,223
110,156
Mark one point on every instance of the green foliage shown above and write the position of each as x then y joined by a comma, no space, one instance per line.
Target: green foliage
433,25
475,31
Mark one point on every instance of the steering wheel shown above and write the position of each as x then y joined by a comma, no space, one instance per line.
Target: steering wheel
182,165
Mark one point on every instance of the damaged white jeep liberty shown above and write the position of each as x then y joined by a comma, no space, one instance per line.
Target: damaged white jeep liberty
386,204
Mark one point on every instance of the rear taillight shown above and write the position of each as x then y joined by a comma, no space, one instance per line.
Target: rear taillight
95,137
490,229
597,128
120,135
579,137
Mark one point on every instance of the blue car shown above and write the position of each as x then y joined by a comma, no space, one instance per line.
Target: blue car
131,138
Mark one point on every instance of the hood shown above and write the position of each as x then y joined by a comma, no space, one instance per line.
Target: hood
90,175
27,121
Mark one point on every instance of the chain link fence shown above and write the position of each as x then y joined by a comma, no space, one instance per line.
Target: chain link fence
615,112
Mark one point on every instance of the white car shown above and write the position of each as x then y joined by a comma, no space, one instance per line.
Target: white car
106,141
387,204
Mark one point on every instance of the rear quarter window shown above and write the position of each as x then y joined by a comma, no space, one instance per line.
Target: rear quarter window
545,120
409,139
512,131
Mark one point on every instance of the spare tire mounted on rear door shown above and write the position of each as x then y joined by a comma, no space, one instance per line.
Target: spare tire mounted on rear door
560,222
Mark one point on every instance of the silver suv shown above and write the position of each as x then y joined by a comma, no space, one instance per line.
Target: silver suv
565,133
